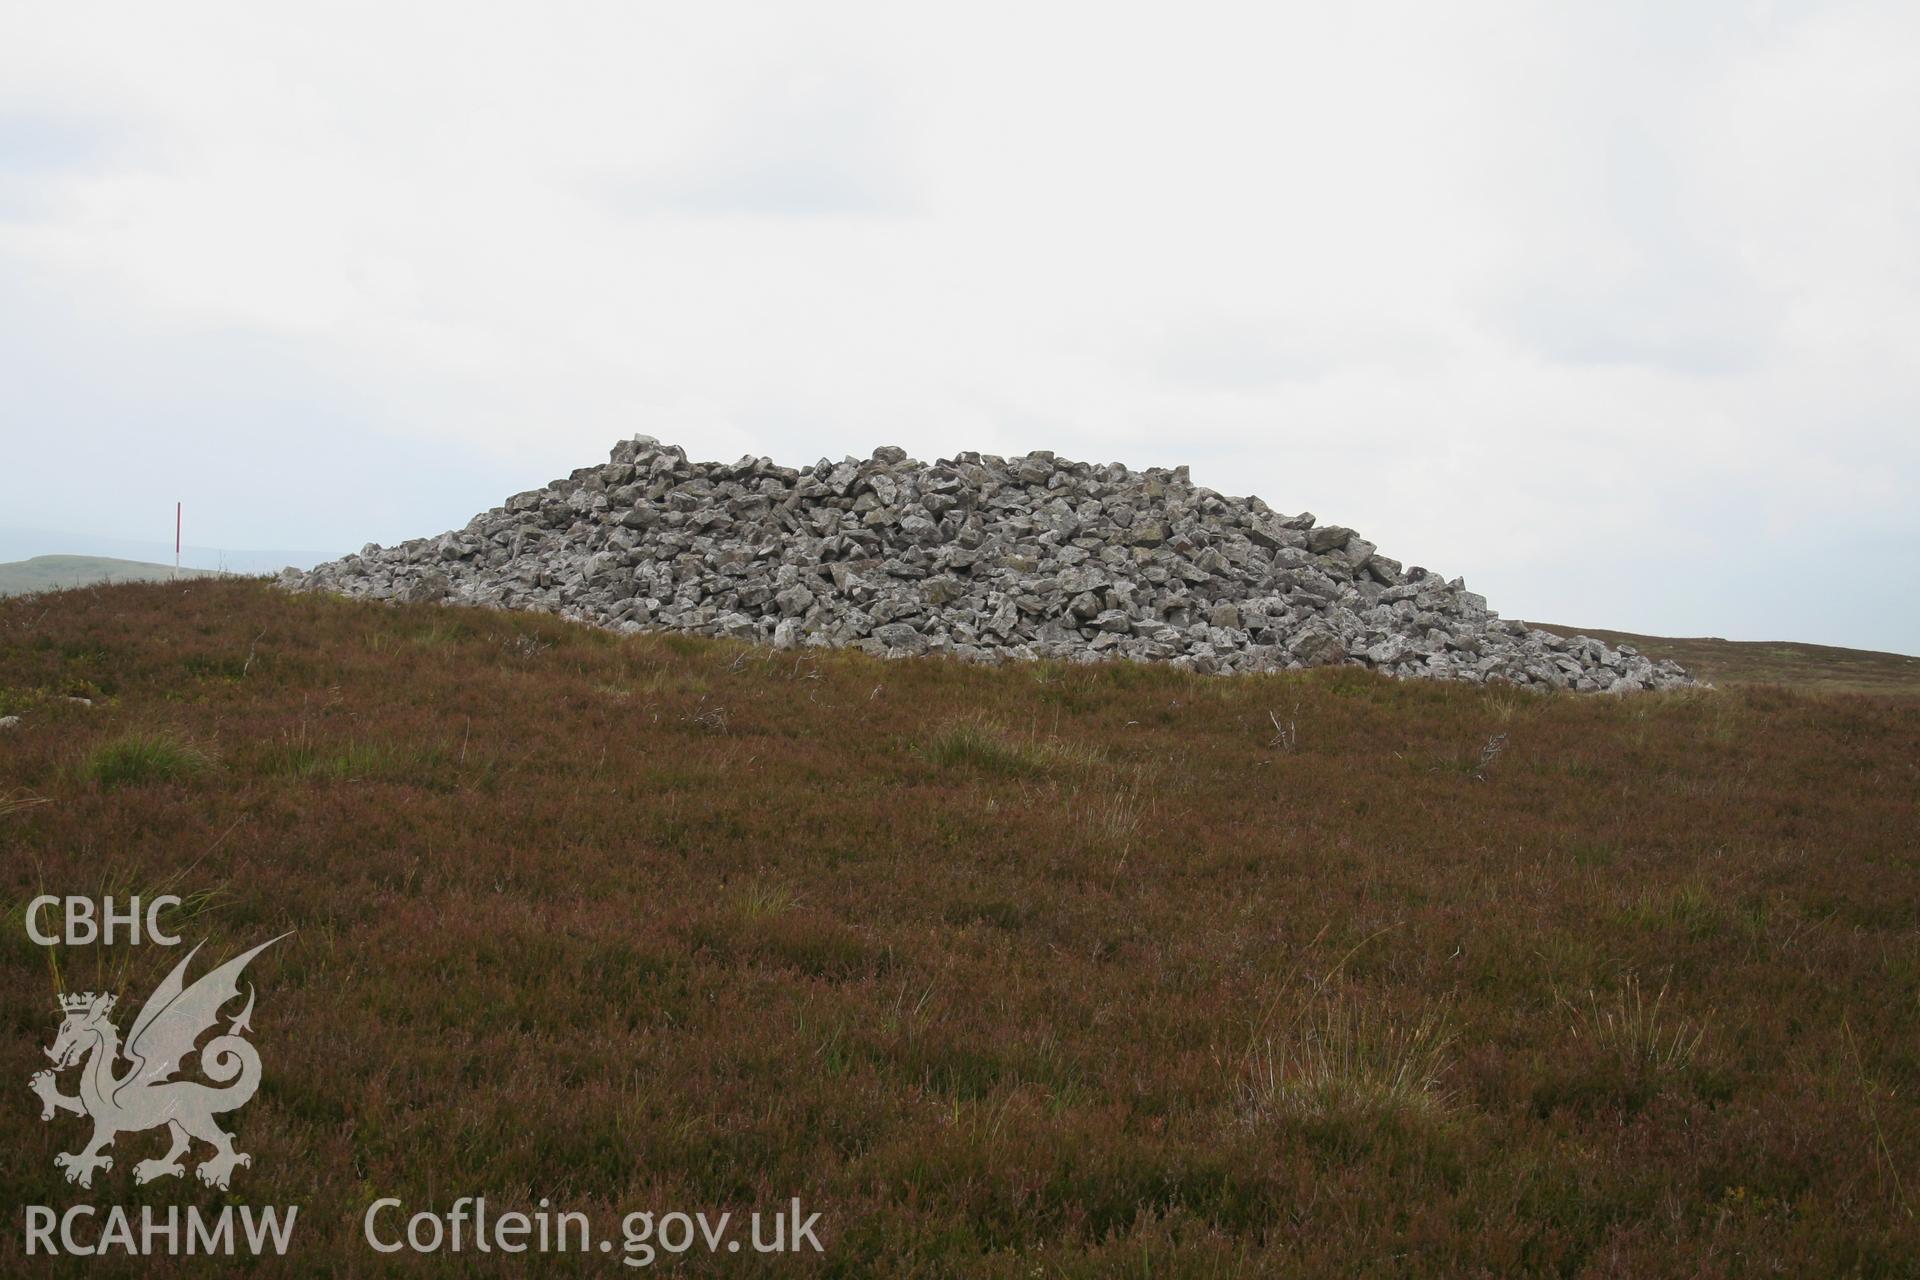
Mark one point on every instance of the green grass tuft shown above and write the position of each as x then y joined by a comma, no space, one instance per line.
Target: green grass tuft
146,756
300,756
983,745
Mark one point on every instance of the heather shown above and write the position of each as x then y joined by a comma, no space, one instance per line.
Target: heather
1045,968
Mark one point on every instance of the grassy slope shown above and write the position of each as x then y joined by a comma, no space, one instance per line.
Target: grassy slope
998,969
1803,666
58,573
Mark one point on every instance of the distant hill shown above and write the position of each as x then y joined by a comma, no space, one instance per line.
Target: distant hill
1786,662
57,573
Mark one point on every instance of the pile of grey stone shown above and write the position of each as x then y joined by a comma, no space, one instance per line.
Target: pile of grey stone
975,556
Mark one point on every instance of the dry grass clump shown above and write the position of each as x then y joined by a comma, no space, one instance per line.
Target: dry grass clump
1644,1037
1351,1059
18,799
1116,816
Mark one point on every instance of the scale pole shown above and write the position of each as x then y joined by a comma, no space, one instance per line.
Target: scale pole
176,541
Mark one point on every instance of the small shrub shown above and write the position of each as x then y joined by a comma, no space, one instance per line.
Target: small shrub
15,701
521,645
710,719
998,913
1474,766
145,756
813,944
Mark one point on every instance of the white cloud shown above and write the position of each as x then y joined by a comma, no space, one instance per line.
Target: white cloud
1611,309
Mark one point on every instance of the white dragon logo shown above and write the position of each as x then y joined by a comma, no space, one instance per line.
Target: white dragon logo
170,1023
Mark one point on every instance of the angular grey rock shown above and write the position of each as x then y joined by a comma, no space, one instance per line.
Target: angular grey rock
1388,652
1328,538
980,557
427,588
898,635
1317,648
1385,571
1146,533
1033,470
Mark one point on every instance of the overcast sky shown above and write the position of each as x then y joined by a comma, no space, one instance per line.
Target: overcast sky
1613,309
